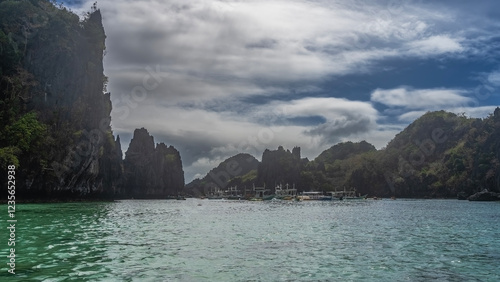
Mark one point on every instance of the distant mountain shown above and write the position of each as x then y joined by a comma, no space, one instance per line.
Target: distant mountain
438,155
329,171
442,154
236,170
344,151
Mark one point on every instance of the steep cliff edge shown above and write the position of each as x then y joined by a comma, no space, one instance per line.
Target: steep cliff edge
280,166
55,115
151,172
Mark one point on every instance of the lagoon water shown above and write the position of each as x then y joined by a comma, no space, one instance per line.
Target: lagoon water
212,240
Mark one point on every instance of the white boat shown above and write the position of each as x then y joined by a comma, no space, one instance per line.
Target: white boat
315,196
286,193
348,195
261,194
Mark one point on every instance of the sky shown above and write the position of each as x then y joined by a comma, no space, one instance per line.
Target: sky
217,78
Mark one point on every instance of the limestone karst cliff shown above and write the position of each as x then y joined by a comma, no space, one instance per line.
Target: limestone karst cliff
55,110
152,171
280,166
53,102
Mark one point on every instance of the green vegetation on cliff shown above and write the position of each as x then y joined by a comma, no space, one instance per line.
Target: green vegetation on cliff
239,170
55,118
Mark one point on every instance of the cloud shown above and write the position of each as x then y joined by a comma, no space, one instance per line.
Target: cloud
494,78
233,48
409,104
472,112
243,76
435,45
205,137
342,117
420,98
411,116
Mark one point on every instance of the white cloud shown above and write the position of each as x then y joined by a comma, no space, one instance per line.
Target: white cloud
207,137
328,107
410,116
420,98
228,48
435,45
216,55
494,78
343,118
409,104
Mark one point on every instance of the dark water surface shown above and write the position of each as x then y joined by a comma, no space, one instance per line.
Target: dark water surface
206,240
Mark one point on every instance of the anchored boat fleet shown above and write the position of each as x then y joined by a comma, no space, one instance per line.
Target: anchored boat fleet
282,193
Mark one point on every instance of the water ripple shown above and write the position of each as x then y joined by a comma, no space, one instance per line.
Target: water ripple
202,240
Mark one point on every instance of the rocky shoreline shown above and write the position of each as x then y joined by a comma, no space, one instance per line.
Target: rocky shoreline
484,195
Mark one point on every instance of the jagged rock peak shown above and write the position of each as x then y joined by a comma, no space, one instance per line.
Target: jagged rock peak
141,142
296,152
152,171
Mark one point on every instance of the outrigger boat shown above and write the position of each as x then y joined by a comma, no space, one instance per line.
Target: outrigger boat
262,194
215,194
348,195
311,196
317,196
233,193
285,194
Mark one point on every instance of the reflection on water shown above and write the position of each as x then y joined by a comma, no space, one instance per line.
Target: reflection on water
203,240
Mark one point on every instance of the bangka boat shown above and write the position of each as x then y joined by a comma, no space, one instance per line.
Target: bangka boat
215,194
360,197
233,193
348,195
315,196
286,193
262,194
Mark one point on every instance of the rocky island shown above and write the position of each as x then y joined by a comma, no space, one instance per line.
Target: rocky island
55,113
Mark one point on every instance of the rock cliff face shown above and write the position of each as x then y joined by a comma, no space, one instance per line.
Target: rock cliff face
54,83
280,166
55,112
485,196
151,172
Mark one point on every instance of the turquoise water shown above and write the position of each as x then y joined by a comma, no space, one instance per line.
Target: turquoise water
206,240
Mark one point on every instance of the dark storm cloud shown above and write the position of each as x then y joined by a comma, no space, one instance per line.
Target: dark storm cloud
334,131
